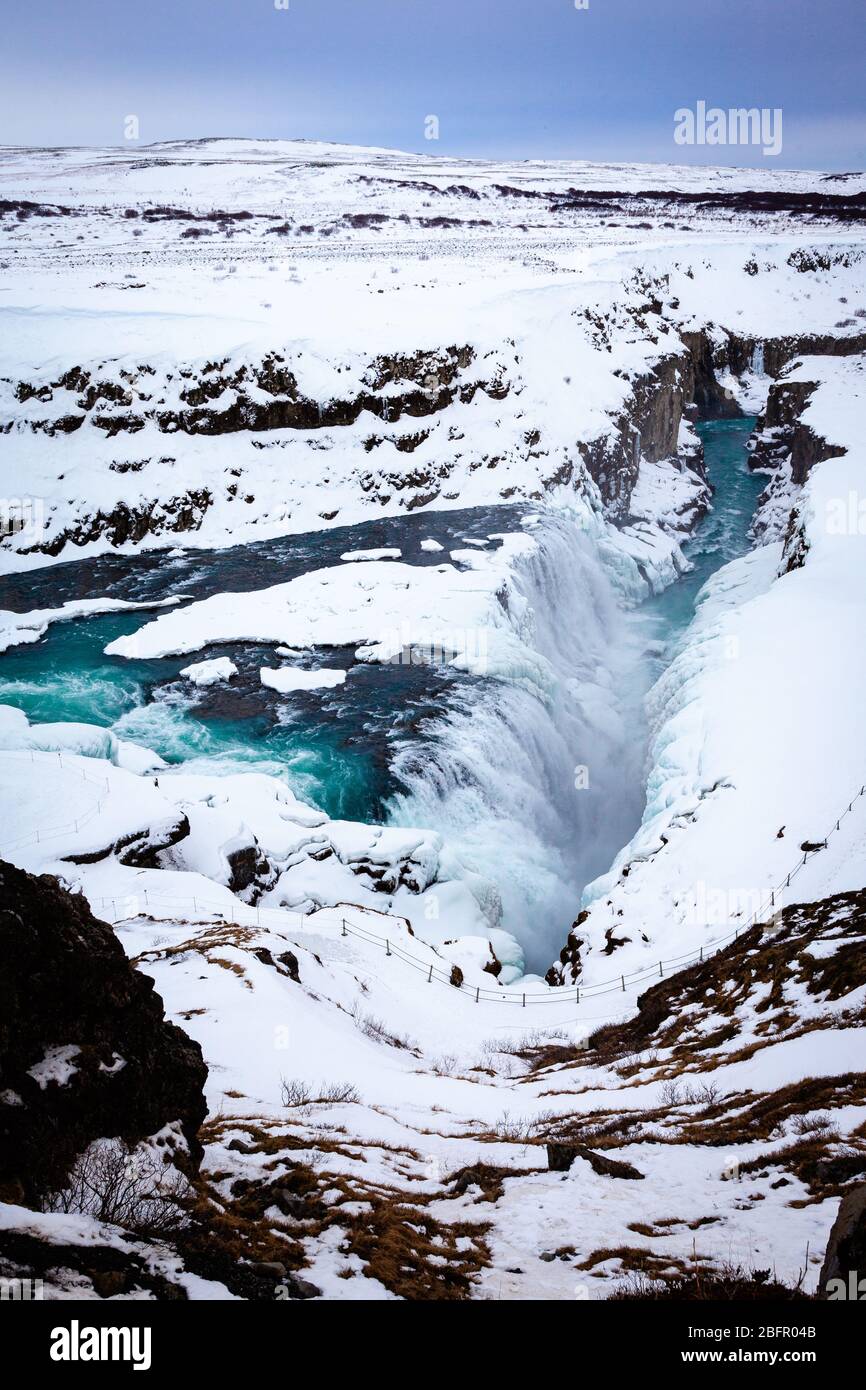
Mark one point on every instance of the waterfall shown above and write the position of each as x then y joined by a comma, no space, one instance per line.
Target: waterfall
757,360
536,784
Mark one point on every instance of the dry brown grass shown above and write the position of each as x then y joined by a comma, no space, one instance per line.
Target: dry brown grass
728,1284
388,1228
415,1256
770,963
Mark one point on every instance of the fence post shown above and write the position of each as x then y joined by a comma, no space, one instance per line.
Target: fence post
430,975
344,932
387,947
622,977
524,1001
477,992
661,973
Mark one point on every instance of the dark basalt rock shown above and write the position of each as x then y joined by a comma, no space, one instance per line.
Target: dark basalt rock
244,864
735,354
66,983
141,849
649,427
561,1155
569,967
780,432
846,1249
124,524
111,1272
706,393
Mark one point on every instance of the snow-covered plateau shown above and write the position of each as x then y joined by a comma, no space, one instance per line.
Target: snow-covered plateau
432,597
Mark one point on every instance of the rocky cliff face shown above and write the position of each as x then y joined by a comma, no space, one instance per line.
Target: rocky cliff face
648,427
85,1049
221,398
782,435
259,399
787,448
476,422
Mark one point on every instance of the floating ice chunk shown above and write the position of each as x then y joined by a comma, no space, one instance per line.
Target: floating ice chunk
385,553
286,679
210,672
469,558
429,544
18,628
382,609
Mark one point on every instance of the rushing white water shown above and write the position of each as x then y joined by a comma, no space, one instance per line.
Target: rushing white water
497,778
535,786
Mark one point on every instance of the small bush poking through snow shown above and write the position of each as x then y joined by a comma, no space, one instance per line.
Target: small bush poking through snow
374,1029
297,1095
817,1124
446,1065
128,1187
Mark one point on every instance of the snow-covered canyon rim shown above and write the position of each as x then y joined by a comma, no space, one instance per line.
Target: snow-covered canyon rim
358,509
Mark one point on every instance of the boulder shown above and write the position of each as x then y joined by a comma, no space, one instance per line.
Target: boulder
85,1049
845,1260
561,1155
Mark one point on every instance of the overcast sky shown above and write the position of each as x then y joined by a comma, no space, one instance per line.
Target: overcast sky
504,77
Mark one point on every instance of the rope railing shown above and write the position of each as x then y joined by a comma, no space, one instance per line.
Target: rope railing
260,917
37,837
256,916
